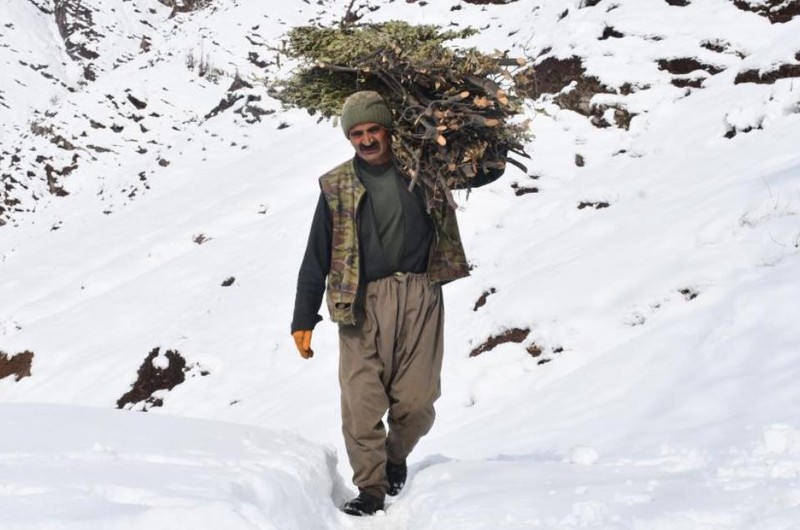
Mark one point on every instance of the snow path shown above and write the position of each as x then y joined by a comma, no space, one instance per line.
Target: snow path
98,469
92,468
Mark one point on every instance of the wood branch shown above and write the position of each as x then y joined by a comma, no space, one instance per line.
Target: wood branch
449,195
349,16
511,61
518,164
489,87
451,114
517,150
392,83
337,68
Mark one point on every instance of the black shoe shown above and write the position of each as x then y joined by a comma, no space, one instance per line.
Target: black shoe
364,504
396,475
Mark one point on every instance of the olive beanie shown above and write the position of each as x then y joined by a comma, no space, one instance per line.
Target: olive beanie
365,107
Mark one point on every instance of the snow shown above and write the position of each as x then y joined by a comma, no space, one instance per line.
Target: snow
111,469
669,399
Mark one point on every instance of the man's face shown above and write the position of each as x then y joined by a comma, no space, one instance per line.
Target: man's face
372,142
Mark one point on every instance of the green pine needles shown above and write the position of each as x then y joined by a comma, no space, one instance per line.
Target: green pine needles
454,108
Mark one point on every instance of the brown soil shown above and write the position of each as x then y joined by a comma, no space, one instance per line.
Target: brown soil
516,335
482,300
784,71
18,365
151,379
777,11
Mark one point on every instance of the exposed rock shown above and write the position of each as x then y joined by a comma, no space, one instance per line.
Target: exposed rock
18,365
482,300
784,71
39,128
238,84
224,104
138,103
244,106
686,65
733,131
43,5
538,352
252,113
145,44
721,46
687,82
53,182
523,190
610,33
552,75
76,27
255,59
689,293
598,205
777,11
153,376
516,335
185,6
621,116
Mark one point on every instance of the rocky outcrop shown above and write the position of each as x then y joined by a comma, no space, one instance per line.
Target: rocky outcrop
777,11
184,6
76,27
768,77
45,6
18,365
484,2
553,75
158,374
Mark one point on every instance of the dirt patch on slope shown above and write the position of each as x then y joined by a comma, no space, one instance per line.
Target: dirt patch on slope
777,11
154,376
18,365
516,335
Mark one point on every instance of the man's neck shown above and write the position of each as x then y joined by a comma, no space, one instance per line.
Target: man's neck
373,169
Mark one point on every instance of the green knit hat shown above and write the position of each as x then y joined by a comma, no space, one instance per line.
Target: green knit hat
364,107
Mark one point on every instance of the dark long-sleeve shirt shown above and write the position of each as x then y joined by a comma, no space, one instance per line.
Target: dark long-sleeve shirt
416,233
314,269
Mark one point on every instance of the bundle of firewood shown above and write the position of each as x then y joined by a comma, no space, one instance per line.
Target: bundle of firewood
454,109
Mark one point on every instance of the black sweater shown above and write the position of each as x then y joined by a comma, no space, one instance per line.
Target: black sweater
417,234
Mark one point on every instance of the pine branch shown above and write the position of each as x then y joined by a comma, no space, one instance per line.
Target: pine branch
453,108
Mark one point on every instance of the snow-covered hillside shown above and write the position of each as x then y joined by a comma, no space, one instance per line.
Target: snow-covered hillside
632,307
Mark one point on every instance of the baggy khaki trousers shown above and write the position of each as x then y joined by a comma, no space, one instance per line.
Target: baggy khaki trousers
390,361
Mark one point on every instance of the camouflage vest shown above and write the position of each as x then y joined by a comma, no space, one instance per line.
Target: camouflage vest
344,193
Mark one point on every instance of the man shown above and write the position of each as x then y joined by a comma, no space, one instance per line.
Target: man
385,258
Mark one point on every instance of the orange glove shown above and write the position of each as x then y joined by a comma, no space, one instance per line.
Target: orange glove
302,339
